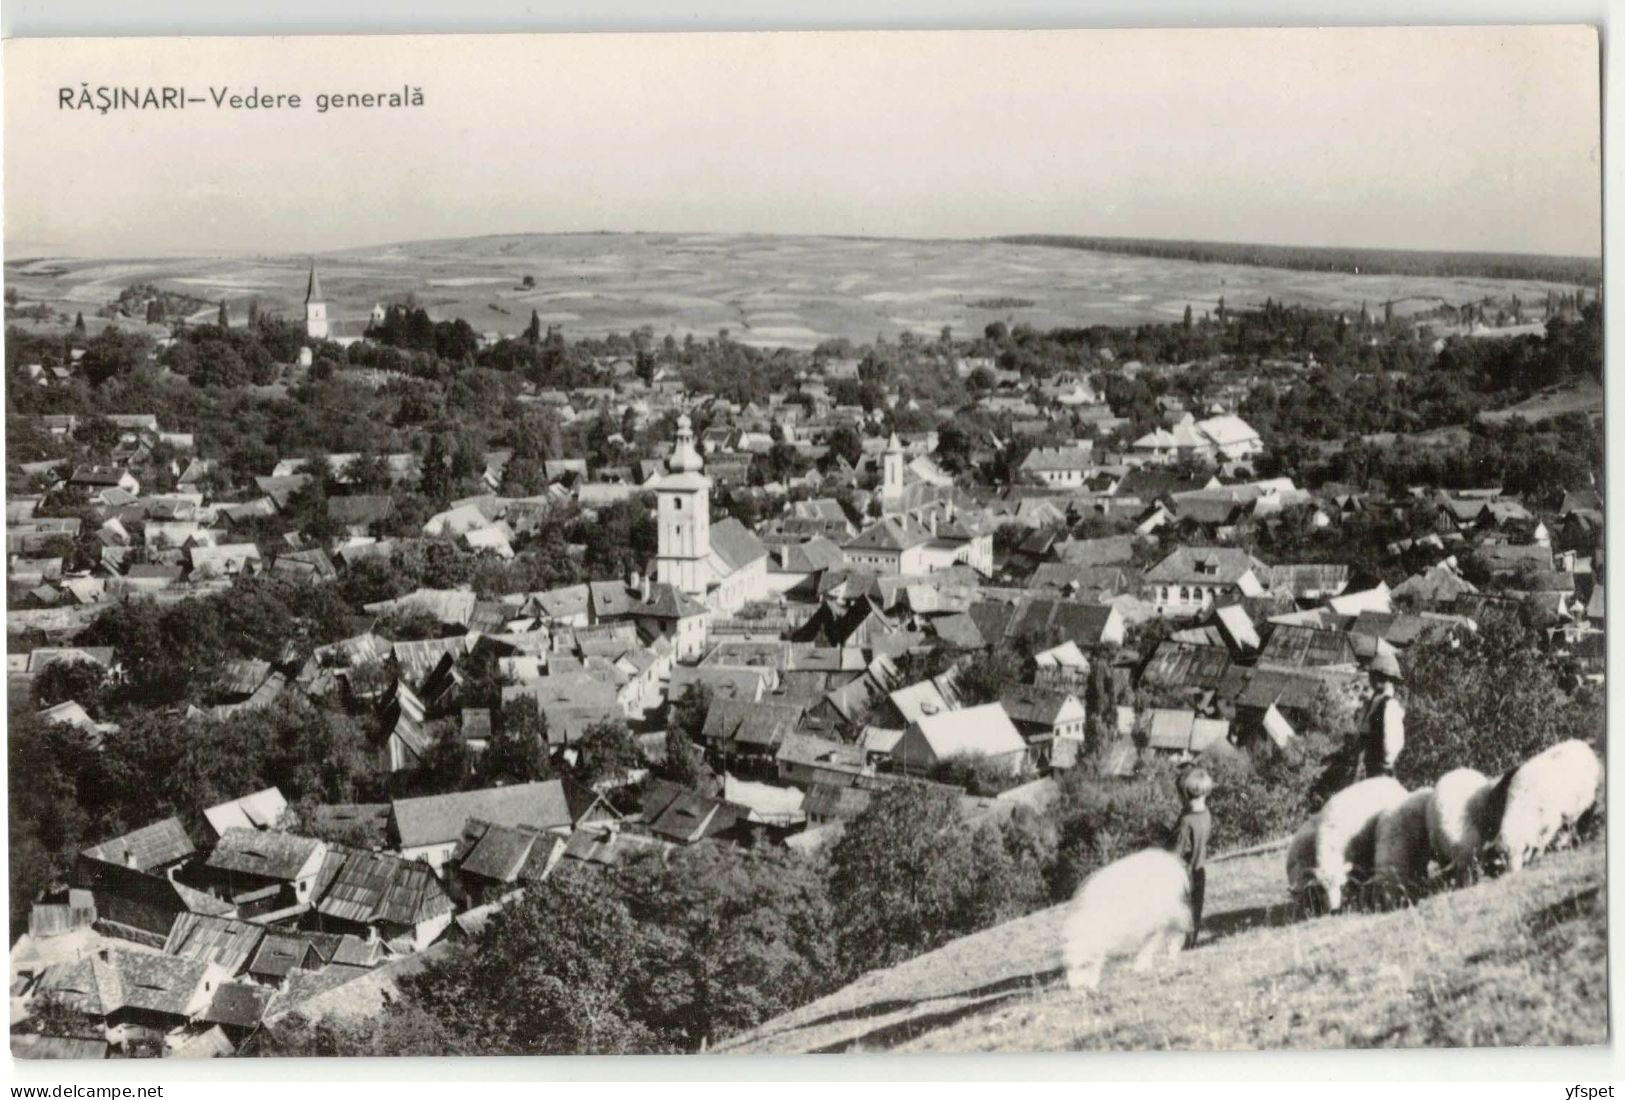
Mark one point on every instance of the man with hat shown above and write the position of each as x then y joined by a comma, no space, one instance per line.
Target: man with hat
1385,721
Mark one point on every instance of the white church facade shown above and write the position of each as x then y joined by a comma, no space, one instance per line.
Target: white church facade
724,565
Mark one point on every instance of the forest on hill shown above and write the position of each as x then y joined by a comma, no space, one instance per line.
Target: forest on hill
1581,270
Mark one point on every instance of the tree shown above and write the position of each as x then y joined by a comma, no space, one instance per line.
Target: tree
685,763
78,327
846,443
517,751
533,331
223,319
728,939
606,754
61,681
988,676
1489,701
553,973
907,875
528,282
112,354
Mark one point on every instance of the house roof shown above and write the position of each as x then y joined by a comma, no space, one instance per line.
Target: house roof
267,854
1306,645
760,726
376,888
156,845
1440,584
974,731
280,954
1042,619
734,543
1037,705
890,534
127,979
679,814
238,1004
259,810
231,943
926,698
807,750
1184,731
1112,550
1227,430
503,853
439,818
1206,565
1182,665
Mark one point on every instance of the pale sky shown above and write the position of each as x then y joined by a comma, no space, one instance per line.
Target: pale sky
1452,138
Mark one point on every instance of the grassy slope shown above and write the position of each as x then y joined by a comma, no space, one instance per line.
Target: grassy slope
1517,961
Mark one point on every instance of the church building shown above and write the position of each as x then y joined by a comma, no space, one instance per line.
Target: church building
315,307
724,565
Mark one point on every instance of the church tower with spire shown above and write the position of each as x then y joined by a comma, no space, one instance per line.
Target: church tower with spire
315,307
683,517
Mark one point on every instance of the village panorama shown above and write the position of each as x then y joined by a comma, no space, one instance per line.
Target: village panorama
383,685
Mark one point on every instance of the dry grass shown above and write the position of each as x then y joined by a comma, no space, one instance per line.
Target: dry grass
1517,961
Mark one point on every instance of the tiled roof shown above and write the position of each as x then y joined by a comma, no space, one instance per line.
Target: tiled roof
734,543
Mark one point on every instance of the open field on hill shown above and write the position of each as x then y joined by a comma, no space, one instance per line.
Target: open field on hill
766,290
1520,960
1581,397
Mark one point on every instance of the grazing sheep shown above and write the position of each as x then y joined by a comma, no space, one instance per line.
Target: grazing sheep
1139,903
1401,851
1548,793
1301,879
1345,834
1464,815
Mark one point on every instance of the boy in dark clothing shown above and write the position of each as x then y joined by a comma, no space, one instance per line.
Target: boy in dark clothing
1190,837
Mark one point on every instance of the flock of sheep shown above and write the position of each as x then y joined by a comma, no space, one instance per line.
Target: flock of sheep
1373,836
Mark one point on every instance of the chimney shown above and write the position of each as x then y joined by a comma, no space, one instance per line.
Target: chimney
129,858
933,525
645,588
634,579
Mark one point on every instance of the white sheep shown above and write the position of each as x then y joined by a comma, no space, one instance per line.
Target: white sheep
1139,904
1401,850
1345,834
1464,815
1547,794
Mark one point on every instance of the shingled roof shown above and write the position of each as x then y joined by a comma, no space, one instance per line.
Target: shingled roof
439,818
148,848
376,888
267,854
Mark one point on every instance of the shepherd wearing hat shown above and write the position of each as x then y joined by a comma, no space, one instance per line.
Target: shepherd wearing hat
1385,721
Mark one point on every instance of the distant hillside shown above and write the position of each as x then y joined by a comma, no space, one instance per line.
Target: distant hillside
1580,270
1520,960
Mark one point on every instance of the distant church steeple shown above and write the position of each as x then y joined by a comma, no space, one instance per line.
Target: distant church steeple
891,480
315,307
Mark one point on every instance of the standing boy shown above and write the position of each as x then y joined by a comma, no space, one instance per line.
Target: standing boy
1190,837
